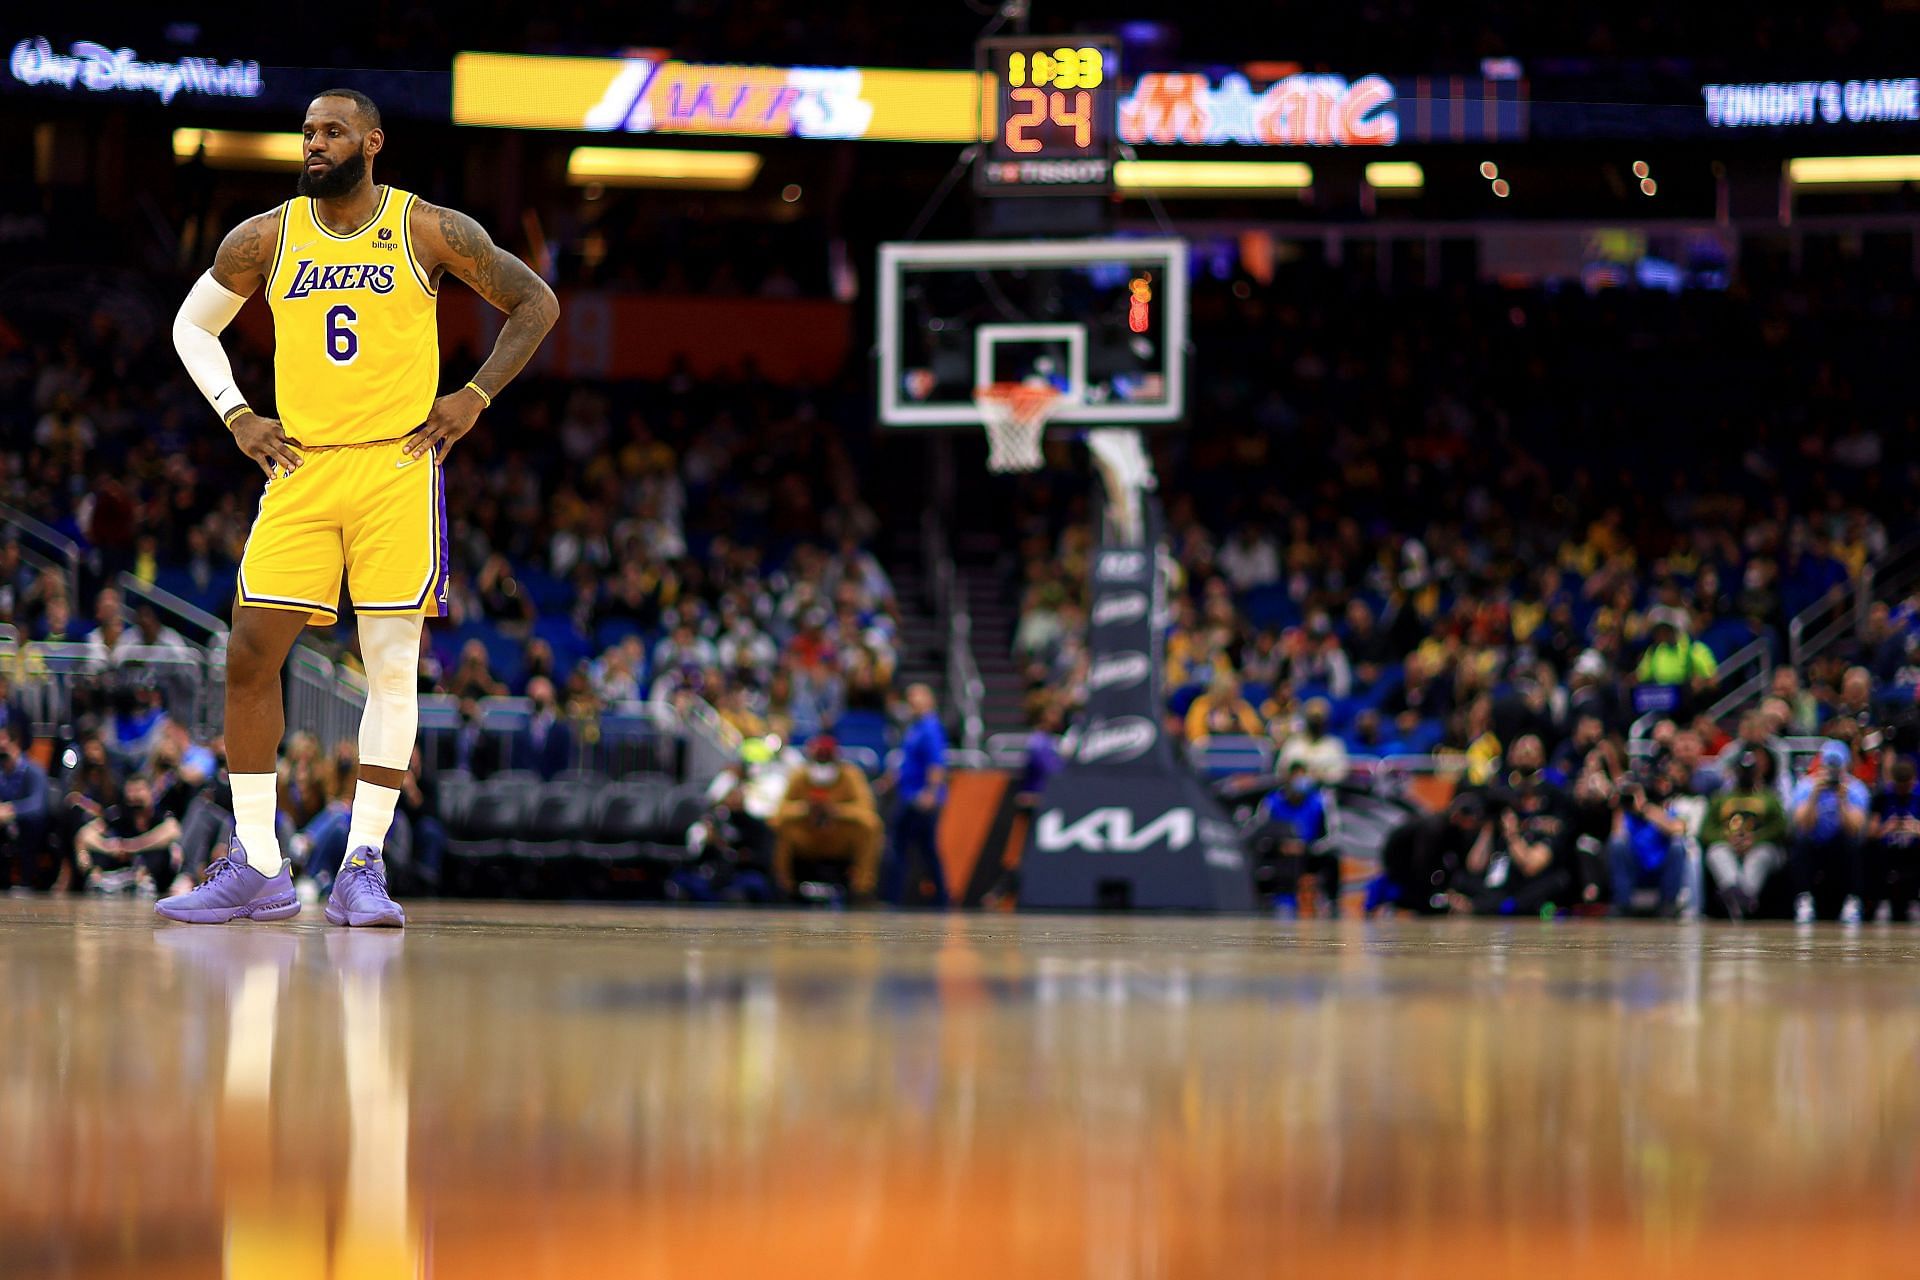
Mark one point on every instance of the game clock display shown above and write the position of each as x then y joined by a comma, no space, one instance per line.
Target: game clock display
1052,126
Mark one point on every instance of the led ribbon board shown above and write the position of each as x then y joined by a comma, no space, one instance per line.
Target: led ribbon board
647,96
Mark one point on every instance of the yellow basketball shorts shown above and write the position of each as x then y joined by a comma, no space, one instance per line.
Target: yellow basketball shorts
369,512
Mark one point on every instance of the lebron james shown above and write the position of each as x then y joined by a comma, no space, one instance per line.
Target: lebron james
354,476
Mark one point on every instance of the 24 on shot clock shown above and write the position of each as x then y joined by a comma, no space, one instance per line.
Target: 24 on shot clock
1051,128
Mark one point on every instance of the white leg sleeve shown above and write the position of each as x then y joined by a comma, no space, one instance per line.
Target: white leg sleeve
390,646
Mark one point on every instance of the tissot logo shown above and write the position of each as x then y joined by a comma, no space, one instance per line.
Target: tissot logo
1112,830
1120,566
1117,740
1121,606
1124,669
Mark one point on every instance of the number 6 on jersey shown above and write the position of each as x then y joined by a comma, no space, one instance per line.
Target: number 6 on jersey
343,344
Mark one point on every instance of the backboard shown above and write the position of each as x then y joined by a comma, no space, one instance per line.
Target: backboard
1104,321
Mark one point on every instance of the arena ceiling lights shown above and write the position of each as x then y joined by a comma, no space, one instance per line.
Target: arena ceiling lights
1836,171
663,167
1212,177
230,149
1398,176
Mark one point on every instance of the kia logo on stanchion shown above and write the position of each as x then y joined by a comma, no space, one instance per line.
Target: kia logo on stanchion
1120,739
1120,566
1121,606
1112,830
1124,669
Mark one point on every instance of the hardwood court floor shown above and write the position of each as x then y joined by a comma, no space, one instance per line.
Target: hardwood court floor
521,1091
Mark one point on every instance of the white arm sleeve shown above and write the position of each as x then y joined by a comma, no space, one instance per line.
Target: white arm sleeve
210,307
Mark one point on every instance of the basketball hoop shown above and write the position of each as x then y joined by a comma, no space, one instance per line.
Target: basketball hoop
1016,415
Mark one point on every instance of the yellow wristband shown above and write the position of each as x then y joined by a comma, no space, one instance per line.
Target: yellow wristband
233,413
485,399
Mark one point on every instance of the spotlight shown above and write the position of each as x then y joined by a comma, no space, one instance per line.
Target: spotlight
1501,189
1648,186
1489,170
1641,169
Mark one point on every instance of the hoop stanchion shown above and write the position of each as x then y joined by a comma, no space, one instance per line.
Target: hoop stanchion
1016,415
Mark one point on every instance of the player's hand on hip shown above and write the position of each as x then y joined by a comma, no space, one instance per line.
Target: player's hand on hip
267,443
452,417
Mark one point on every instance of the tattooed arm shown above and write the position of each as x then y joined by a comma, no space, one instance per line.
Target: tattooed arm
246,254
446,240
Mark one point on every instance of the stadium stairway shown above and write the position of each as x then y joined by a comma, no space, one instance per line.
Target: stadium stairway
922,642
995,615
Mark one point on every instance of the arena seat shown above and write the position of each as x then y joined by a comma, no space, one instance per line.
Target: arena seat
625,815
552,826
492,820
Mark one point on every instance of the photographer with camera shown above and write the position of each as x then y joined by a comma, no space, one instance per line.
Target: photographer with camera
1828,813
1745,831
1530,866
1645,849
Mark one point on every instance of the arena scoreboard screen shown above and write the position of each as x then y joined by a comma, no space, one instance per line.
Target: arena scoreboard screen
1051,127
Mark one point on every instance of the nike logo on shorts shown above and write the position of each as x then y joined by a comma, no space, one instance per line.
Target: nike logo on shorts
406,460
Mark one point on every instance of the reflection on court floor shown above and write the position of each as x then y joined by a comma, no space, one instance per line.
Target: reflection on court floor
521,1091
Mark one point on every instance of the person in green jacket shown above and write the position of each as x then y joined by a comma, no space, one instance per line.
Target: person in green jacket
1675,658
1745,833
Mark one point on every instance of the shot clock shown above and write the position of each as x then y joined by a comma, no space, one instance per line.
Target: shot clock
1051,129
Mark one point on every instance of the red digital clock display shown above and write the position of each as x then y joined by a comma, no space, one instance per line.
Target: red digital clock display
1052,129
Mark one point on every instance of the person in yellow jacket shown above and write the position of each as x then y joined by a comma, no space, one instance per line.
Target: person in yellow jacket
1221,710
828,815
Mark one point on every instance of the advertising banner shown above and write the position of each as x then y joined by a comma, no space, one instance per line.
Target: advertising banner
1312,109
108,73
647,96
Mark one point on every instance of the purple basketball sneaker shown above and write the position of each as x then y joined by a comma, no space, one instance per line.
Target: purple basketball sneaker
359,894
234,891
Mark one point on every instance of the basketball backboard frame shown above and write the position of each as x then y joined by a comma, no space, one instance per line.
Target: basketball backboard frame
1168,255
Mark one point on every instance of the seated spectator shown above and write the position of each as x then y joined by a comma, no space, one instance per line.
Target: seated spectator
1367,647
111,638
1689,756
180,768
503,601
134,846
736,710
1646,850
1250,559
473,677
1324,755
1321,661
1294,821
1894,829
544,745
320,845
616,676
1745,835
1675,660
1423,855
56,623
1571,756
155,637
1483,748
1803,709
1220,712
474,750
24,811
1827,815
1529,868
827,815
419,808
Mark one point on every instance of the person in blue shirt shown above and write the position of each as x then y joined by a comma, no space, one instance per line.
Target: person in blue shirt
920,788
1646,846
1895,831
23,810
1296,821
1828,815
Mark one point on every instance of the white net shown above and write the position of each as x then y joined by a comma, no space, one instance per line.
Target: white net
1016,414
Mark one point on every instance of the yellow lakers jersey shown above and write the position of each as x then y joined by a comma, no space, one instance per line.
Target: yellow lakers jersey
356,348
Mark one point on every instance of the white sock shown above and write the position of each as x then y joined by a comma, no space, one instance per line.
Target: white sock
372,815
255,802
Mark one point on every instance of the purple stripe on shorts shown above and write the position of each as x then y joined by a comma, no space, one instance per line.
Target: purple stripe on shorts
446,560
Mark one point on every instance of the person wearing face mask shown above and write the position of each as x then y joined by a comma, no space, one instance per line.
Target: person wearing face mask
1323,754
827,815
135,845
1296,821
544,745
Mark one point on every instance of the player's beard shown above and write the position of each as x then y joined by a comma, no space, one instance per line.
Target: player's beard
337,181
